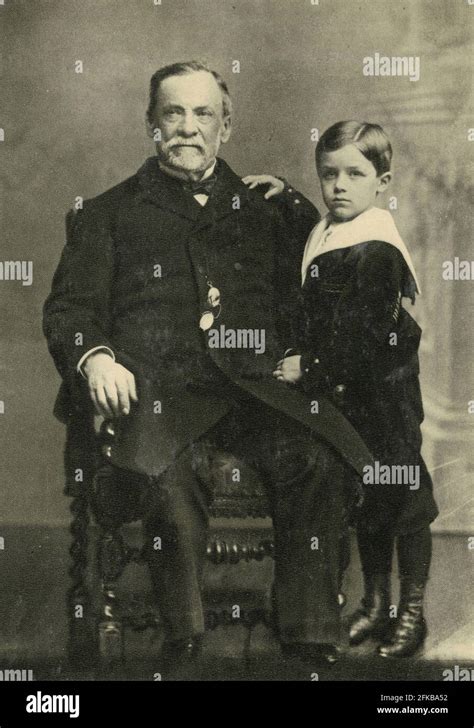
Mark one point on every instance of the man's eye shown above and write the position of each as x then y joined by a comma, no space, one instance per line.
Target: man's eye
356,173
328,175
204,113
172,114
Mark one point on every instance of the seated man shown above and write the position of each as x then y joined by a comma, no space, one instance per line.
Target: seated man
169,309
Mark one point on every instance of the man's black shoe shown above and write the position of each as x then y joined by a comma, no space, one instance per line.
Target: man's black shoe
183,650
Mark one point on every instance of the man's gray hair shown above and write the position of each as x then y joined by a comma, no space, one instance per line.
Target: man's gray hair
180,69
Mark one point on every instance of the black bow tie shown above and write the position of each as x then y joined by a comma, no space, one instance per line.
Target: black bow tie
201,187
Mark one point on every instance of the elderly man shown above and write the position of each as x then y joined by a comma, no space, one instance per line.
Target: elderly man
169,309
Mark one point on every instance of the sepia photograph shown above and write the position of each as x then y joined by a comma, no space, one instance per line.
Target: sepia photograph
236,353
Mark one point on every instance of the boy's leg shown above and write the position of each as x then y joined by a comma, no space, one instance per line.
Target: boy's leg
414,558
375,551
414,555
372,618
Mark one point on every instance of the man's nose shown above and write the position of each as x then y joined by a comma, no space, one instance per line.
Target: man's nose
188,126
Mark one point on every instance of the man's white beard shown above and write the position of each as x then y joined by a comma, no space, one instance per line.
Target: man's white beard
188,160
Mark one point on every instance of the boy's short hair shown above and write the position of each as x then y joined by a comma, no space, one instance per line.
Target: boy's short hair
370,140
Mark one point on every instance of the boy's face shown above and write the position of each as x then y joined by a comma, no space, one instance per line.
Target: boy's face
349,182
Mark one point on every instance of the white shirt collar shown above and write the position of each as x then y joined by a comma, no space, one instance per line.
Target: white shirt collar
372,224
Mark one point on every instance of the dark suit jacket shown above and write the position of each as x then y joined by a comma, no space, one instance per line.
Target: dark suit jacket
352,308
133,276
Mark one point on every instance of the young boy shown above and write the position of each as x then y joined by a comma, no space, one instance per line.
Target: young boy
360,346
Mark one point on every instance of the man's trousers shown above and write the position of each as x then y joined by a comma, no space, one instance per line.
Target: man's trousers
305,481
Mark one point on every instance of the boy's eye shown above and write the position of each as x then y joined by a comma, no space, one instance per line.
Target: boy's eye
328,174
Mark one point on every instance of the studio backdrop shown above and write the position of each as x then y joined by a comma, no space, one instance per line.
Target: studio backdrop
75,78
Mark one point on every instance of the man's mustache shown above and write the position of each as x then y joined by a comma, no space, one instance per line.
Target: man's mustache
175,145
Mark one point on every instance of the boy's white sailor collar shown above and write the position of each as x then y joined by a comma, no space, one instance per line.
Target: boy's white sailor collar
373,224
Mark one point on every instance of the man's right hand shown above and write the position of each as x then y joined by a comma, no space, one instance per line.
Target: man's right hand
111,386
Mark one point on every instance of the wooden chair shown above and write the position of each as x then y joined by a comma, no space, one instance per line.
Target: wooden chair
96,626
240,530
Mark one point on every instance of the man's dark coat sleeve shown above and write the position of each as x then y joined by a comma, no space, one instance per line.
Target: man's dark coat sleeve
77,312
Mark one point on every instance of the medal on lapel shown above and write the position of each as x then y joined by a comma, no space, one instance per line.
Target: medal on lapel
214,301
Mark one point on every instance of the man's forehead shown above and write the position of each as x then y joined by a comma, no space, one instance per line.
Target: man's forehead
198,88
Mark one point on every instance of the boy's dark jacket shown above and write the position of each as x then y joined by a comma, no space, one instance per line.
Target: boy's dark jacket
356,332
134,276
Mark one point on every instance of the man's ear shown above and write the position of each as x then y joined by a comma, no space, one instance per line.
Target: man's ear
226,129
150,128
384,181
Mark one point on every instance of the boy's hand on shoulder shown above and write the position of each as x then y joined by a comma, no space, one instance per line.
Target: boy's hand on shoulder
274,184
289,369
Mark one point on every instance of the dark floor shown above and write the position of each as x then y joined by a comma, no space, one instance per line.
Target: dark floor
33,626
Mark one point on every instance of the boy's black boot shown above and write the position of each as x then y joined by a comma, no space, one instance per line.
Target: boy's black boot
410,628
372,618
